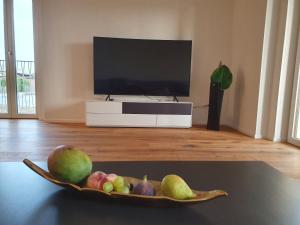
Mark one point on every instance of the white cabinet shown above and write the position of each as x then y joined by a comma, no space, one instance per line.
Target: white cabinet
103,107
138,114
174,121
119,120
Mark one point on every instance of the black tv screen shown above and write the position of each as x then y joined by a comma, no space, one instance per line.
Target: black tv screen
142,67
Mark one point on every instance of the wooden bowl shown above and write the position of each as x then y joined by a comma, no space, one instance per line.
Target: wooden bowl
158,199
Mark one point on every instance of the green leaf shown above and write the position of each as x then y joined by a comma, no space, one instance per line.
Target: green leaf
222,75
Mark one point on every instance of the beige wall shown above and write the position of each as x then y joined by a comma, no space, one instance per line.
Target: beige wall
227,30
66,29
247,41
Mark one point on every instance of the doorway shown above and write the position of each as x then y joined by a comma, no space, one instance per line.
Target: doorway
17,65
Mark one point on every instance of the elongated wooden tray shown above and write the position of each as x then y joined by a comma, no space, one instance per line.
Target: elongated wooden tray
158,199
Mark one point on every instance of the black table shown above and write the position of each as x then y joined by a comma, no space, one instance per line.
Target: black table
258,195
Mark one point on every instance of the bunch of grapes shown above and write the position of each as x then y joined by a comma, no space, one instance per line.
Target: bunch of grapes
120,185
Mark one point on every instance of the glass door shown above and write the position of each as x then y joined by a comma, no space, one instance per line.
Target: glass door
24,57
294,127
4,109
17,90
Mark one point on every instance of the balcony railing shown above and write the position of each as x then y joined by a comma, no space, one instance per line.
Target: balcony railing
25,87
3,89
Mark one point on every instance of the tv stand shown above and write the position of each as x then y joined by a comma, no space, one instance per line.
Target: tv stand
117,113
175,99
108,98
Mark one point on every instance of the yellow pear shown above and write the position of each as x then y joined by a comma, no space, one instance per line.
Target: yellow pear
175,187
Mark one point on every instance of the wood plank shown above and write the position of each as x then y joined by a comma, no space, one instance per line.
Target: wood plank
34,139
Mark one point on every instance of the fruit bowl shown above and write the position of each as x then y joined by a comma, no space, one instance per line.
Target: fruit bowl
158,199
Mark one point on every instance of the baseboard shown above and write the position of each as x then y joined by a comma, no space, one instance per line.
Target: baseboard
279,140
82,121
63,120
240,129
256,136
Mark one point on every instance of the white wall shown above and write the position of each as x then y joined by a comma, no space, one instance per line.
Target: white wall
212,44
66,28
227,30
247,41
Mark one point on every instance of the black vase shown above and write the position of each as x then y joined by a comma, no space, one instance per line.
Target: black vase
215,106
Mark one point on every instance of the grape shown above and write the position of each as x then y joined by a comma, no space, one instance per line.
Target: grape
119,183
108,187
123,190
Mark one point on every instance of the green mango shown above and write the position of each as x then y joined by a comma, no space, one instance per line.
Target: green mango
69,164
175,187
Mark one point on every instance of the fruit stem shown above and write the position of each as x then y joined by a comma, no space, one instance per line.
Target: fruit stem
145,178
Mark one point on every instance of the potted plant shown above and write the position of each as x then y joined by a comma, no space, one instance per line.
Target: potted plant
220,80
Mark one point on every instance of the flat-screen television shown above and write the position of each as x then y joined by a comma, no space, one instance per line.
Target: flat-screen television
142,67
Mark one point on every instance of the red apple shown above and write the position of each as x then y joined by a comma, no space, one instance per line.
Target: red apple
111,177
95,180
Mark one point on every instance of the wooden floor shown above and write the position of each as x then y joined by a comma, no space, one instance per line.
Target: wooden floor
34,140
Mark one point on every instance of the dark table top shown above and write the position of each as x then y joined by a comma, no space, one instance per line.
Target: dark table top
258,195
